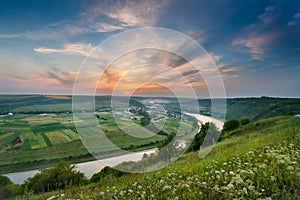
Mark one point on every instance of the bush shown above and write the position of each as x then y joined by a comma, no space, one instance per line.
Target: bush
60,176
230,125
8,189
245,121
106,172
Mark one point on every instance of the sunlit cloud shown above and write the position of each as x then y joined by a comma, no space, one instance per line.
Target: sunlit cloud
256,43
257,36
69,48
129,13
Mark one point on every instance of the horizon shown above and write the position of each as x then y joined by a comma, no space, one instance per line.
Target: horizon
134,96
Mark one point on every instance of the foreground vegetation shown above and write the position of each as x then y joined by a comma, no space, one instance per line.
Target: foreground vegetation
259,160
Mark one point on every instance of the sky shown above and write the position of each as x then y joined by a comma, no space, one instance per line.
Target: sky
255,45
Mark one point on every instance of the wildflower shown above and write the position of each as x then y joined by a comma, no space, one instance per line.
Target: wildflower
251,188
130,191
216,188
230,186
167,187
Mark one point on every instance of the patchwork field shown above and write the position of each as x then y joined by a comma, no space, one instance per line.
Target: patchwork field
36,139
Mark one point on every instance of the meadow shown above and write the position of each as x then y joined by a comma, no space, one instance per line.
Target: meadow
258,161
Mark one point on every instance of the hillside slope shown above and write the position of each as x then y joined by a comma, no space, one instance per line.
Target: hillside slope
261,161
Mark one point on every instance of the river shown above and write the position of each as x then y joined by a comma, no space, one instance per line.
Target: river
202,119
88,168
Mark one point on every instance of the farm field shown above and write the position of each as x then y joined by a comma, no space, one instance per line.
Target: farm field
30,141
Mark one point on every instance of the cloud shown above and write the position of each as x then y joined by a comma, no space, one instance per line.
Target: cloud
69,48
59,77
258,36
129,13
105,27
295,21
256,43
59,30
10,36
271,13
98,18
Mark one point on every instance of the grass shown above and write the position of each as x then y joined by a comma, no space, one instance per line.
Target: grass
260,162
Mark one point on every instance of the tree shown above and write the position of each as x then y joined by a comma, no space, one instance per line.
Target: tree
230,125
209,129
166,148
146,119
60,176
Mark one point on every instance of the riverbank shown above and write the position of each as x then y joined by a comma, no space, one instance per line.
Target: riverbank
88,168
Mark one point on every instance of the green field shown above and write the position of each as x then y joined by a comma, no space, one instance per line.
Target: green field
46,138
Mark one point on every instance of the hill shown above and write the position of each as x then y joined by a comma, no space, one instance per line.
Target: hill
260,160
237,108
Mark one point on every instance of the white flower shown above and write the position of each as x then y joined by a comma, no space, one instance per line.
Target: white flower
230,186
290,168
245,191
167,187
231,173
251,188
216,188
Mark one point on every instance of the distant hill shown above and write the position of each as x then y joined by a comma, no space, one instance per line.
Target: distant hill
252,108
237,108
37,104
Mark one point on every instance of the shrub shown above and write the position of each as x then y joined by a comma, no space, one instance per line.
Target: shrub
230,125
60,176
245,121
106,172
8,189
